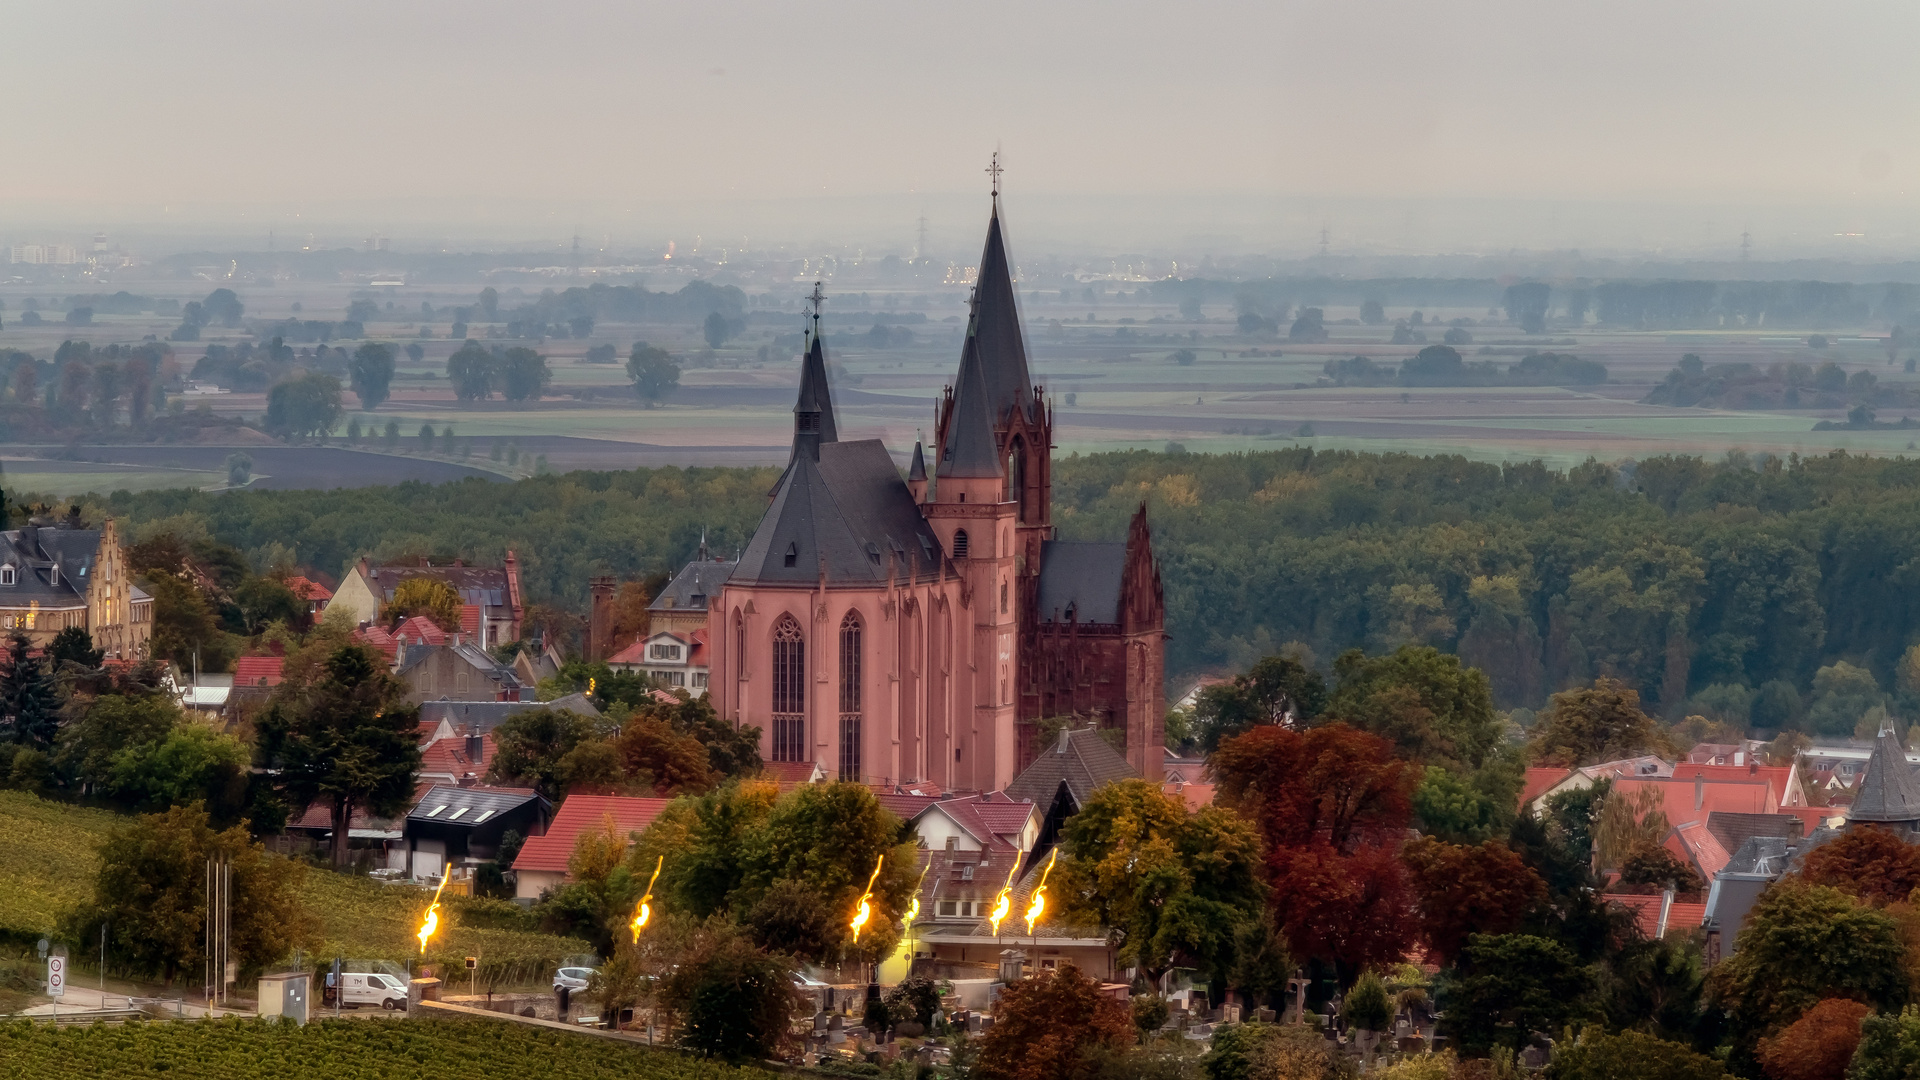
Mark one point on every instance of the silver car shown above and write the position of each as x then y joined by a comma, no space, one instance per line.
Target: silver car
573,979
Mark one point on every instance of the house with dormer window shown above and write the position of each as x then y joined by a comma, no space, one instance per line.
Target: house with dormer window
672,658
55,575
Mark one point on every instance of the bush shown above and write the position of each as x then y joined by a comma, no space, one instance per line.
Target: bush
1051,1025
732,1000
1817,1046
1632,1054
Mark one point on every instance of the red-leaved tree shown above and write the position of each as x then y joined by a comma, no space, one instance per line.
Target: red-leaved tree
1462,890
1333,785
1817,1046
1353,910
1872,864
1050,1027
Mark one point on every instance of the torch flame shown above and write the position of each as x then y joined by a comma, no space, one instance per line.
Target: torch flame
431,923
1004,904
864,911
1039,905
913,906
641,912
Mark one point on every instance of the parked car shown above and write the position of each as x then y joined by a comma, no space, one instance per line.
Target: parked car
367,988
572,979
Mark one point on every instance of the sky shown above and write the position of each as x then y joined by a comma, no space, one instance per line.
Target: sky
1415,123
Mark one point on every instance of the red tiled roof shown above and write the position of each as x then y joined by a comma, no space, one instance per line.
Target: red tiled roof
697,648
258,670
786,772
1540,781
905,807
377,637
579,814
1196,795
1678,796
1777,775
1813,817
470,619
448,757
308,589
1694,844
420,630
635,653
1646,912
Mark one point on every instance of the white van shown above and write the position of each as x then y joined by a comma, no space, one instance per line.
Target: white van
368,988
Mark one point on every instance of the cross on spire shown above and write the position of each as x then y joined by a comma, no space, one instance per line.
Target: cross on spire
813,301
994,170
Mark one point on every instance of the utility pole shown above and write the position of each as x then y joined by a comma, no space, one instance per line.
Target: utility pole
1746,244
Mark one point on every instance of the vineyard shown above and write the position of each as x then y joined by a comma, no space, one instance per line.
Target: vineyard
48,864
339,1050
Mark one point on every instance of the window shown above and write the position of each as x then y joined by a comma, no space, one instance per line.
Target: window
789,691
435,812
793,553
456,815
1003,598
663,651
960,544
850,640
484,815
700,680
6,575
949,908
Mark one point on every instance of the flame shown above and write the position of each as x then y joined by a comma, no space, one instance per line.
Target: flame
431,924
641,912
913,906
864,911
1004,904
1039,905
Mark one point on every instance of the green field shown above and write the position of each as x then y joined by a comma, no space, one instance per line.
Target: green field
82,478
47,865
340,1050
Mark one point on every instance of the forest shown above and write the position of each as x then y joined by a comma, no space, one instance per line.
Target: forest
1746,589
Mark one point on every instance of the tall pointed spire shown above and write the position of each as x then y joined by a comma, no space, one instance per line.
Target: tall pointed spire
994,327
970,448
813,420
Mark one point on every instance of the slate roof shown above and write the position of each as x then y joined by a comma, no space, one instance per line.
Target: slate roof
1081,758
1082,577
1889,791
849,513
1733,828
971,450
578,814
693,584
996,325
485,585
448,804
489,714
816,393
35,552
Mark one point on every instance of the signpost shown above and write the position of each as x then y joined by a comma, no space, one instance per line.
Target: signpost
56,976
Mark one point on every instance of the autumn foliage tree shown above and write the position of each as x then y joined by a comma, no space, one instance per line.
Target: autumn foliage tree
1462,890
1331,785
1353,911
1870,863
1818,1046
1589,724
1052,1027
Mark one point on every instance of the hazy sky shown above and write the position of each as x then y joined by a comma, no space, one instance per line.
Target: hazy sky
434,110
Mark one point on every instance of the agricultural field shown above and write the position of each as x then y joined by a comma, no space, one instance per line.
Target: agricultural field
340,1050
47,866
109,468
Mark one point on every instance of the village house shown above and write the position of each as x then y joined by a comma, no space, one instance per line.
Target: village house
542,862
670,657
495,591
455,670
56,576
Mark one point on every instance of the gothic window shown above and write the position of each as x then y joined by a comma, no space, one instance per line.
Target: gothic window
1003,598
1017,477
789,691
960,544
850,639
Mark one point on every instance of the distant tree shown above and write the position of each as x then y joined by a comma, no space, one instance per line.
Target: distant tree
239,469
1310,327
353,430
1842,694
524,375
1435,709
653,372
29,705
426,438
113,723
1373,313
1651,865
1190,309
1599,1056
192,765
80,316
1435,365
150,894
391,437
1527,305
581,326
416,352
370,373
345,738
264,601
427,596
1353,910
184,628
1463,890
1367,1005
1052,1026
794,920
458,331
471,369
1182,357
222,306
304,406
1508,986
1869,862
1277,690
75,645
1818,1046
654,754
362,311
490,302
1457,336
447,443
532,747
717,329
1591,724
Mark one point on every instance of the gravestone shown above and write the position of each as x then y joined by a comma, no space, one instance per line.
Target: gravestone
1263,1014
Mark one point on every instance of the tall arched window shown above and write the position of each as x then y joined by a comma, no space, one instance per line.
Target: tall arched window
1017,478
960,544
850,638
789,691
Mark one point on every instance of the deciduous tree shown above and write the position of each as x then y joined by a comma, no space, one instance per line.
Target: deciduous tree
1353,911
653,372
472,371
1434,709
1632,1054
1462,890
1278,690
1051,1026
1869,862
427,596
732,1000
1509,985
1330,784
1818,1046
370,373
1591,724
303,407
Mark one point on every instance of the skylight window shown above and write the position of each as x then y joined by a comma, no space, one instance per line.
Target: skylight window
455,816
435,812
484,815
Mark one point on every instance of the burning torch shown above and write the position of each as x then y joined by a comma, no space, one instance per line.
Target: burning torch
431,923
1003,904
865,910
641,912
1039,905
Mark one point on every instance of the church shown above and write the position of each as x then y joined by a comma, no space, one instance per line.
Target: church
914,630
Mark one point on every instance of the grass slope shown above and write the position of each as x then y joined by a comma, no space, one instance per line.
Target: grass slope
47,864
339,1050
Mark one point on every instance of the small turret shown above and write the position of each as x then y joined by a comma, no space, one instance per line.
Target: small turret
917,473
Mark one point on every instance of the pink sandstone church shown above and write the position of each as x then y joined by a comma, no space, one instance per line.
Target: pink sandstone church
913,631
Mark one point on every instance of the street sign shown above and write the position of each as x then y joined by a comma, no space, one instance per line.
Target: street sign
56,976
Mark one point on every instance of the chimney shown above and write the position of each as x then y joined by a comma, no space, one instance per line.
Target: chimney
475,745
599,617
1699,791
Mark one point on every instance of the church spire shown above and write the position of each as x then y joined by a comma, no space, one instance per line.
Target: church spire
813,420
994,327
